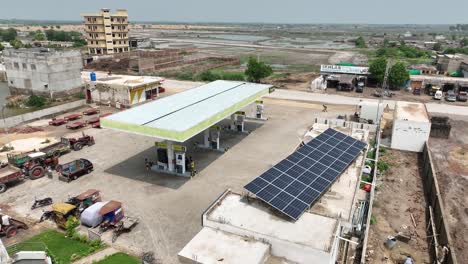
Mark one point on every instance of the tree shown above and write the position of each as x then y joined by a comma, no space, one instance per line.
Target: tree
257,70
39,36
360,43
398,75
57,27
1,47
377,69
8,34
437,46
16,44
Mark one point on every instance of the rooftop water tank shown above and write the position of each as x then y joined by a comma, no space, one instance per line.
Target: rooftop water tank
92,76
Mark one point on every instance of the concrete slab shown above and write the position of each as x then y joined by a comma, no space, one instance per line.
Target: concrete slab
212,246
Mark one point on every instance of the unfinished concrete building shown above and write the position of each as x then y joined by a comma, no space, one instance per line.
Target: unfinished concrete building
44,72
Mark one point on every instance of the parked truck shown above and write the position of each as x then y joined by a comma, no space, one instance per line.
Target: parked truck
9,174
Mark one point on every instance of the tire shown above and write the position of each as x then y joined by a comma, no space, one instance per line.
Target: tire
36,173
56,153
11,231
3,188
78,146
88,171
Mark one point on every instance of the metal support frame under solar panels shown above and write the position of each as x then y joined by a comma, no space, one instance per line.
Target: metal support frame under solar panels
295,183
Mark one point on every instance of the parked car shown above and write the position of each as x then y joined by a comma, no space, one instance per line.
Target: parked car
450,96
438,95
462,96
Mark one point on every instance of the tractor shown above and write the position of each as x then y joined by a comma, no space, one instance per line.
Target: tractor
36,166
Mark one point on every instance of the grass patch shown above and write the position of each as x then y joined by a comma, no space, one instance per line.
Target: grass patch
64,250
373,220
119,258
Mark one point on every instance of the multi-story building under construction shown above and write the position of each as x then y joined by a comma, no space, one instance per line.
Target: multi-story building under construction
107,33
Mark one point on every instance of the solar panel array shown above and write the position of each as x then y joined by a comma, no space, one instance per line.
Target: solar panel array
295,183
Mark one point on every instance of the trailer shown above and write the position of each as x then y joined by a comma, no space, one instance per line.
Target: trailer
53,150
72,170
10,229
57,121
74,116
91,111
76,125
9,174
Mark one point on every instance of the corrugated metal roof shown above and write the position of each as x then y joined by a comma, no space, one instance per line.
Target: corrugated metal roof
181,116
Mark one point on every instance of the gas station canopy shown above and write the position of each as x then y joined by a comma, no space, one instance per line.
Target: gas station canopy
182,116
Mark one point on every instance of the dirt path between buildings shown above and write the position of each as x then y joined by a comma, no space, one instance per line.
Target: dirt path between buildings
399,206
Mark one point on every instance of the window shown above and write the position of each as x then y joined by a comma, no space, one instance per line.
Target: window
109,41
107,25
25,66
107,18
112,27
33,66
113,42
112,20
113,35
16,65
108,34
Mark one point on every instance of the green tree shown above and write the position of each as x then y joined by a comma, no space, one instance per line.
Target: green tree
398,75
257,70
377,69
57,27
8,34
16,44
360,43
437,46
39,36
1,47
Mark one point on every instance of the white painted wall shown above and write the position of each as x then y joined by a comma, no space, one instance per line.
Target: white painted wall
410,135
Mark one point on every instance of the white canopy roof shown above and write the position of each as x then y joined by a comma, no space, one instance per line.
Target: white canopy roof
183,115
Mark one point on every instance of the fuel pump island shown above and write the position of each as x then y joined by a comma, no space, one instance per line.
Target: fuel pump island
177,118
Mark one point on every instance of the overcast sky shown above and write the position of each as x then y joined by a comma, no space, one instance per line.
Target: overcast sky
266,11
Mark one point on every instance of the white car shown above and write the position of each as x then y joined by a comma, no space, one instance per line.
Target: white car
438,95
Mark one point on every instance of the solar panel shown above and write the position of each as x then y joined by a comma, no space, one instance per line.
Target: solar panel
296,182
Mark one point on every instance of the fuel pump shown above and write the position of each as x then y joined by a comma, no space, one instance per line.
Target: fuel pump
214,137
161,155
180,159
238,121
259,109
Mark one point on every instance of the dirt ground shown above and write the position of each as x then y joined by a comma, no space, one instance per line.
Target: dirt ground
399,195
293,81
451,162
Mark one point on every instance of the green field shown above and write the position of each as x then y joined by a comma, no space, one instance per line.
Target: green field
59,246
119,258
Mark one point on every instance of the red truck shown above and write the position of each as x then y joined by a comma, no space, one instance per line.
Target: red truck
9,174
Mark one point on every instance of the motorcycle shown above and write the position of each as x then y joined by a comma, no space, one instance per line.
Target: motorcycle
46,215
41,202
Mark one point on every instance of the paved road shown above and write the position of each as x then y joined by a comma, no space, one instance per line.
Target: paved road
346,100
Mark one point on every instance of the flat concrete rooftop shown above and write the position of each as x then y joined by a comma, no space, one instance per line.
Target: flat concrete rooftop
310,230
411,111
214,246
130,81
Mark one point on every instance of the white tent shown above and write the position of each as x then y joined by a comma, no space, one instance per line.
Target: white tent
90,216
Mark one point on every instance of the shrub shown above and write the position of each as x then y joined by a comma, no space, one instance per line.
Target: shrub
373,220
36,101
186,76
71,225
6,148
382,166
208,76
